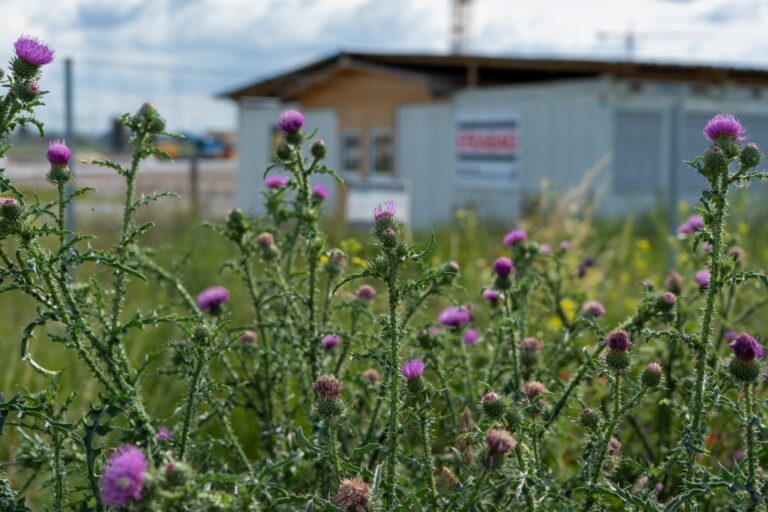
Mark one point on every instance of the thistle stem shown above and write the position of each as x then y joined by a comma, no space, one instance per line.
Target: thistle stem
393,430
720,198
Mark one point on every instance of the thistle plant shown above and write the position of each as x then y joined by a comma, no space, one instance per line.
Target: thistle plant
523,392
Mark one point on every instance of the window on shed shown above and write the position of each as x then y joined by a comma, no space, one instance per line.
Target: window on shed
382,150
637,161
351,151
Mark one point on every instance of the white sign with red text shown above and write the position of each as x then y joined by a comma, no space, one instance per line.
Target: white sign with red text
488,151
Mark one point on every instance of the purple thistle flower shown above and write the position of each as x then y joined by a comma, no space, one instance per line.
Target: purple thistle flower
746,348
384,211
545,249
455,317
331,341
724,126
471,337
33,51
654,367
290,121
492,296
503,266
58,153
691,225
618,341
413,369
730,335
123,478
163,434
565,245
276,182
366,293
593,308
212,298
515,236
669,298
490,397
320,192
702,278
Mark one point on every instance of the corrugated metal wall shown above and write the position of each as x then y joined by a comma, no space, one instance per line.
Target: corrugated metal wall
564,129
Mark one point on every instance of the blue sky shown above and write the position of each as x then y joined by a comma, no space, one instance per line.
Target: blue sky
178,53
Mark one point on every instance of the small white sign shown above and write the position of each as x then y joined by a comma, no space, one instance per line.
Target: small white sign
362,198
488,151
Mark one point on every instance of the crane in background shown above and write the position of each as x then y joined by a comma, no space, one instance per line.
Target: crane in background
631,36
460,24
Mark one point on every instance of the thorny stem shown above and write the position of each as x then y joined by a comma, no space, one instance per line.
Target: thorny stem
526,488
58,477
476,490
190,403
720,197
597,465
425,426
263,338
753,485
333,451
393,333
235,442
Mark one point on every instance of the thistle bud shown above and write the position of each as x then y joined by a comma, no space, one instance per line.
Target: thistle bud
236,223
248,338
751,156
651,376
619,344
177,473
714,161
148,119
530,348
674,283
588,418
666,301
328,390
283,152
493,405
747,351
10,209
319,150
337,260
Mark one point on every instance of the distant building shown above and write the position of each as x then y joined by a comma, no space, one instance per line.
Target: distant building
438,133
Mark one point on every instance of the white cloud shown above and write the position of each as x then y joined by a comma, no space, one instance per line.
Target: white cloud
254,38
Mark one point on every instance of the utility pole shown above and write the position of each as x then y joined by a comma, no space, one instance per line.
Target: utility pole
69,135
676,125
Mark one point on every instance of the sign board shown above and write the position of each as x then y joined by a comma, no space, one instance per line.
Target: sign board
488,151
362,197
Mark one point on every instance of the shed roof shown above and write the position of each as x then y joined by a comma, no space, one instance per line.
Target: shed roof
447,73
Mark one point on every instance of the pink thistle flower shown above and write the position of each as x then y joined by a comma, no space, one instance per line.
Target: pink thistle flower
492,296
58,154
320,193
413,369
471,337
746,348
331,341
211,299
593,309
515,236
724,126
503,266
455,317
702,278
123,478
384,211
33,51
275,182
163,434
290,121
